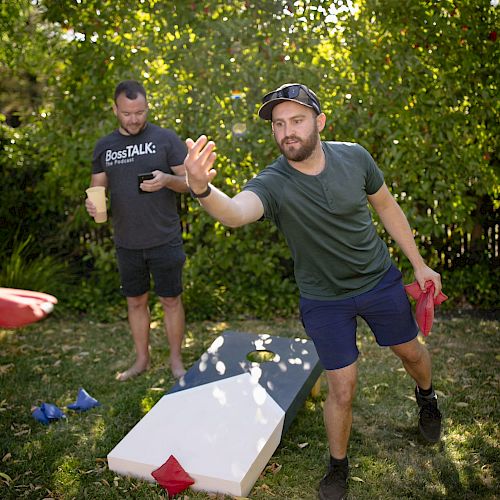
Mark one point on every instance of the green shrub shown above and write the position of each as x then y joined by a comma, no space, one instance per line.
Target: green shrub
24,269
419,90
474,285
98,291
237,272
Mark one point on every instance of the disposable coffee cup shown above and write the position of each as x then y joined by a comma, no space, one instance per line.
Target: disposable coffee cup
97,196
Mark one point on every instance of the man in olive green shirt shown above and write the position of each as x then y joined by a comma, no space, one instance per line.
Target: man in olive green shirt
317,193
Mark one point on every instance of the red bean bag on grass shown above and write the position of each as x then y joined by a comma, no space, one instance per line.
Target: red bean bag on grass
172,477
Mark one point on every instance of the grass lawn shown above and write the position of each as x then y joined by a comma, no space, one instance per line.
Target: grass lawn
49,361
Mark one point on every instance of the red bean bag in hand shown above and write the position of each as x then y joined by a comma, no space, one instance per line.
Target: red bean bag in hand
424,310
22,307
172,477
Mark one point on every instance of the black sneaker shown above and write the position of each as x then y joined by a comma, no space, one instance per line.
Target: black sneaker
333,486
429,419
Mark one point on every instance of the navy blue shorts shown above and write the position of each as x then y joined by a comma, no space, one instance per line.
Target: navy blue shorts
164,263
331,324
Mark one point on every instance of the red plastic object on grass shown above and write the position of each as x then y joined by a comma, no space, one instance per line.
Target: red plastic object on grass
172,477
22,307
424,310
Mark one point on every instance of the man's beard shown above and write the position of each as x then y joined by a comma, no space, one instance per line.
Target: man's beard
305,148
129,132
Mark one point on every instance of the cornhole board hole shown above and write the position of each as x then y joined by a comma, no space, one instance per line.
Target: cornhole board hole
223,433
288,377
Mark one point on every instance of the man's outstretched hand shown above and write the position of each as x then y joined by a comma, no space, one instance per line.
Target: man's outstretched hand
198,163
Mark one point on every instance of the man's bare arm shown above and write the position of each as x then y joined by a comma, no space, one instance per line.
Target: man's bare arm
396,224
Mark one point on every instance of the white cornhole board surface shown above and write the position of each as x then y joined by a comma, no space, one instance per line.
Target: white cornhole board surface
222,433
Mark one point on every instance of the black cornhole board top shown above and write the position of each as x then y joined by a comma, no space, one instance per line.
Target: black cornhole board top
288,378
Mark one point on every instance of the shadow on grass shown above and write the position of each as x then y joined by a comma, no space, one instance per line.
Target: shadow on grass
386,447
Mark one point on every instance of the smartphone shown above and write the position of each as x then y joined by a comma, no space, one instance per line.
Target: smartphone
143,177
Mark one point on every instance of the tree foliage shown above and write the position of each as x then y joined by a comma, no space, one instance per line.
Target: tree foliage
415,82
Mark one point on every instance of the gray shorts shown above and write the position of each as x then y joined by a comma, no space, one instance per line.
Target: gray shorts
164,263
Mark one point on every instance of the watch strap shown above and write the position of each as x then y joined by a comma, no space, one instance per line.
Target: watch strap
201,195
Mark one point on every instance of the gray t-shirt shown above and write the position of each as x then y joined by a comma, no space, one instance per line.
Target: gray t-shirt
326,221
140,220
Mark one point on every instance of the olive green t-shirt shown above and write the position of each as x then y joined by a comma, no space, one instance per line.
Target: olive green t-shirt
326,221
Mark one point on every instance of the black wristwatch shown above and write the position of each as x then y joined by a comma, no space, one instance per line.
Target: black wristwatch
201,195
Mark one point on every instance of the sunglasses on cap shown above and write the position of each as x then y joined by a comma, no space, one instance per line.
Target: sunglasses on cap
295,92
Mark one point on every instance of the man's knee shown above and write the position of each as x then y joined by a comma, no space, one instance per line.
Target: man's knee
411,352
171,303
138,302
341,398
342,386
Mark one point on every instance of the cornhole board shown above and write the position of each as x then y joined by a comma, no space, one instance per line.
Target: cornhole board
224,447
289,377
222,433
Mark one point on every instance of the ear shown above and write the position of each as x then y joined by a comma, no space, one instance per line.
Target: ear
321,121
115,110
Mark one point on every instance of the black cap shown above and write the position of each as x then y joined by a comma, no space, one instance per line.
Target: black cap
295,92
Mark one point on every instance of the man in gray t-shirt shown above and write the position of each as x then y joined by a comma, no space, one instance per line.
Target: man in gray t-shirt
317,193
141,165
